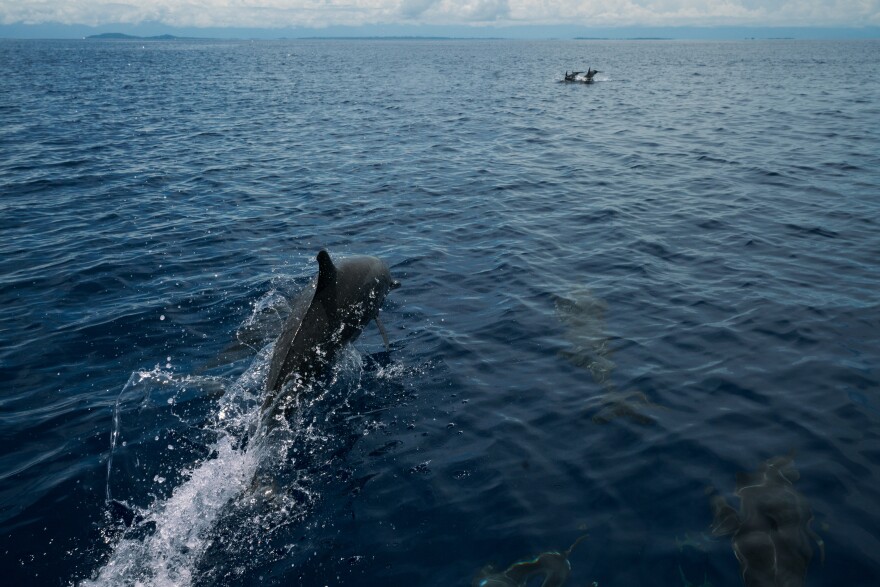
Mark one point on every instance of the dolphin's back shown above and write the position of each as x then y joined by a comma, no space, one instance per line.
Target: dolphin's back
291,328
329,313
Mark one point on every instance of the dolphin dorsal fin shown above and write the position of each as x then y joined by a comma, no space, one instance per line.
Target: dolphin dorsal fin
326,271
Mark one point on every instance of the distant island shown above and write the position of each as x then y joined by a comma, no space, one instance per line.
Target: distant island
386,38
624,39
123,36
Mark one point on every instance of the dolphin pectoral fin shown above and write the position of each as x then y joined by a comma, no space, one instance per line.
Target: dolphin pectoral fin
726,520
384,334
819,542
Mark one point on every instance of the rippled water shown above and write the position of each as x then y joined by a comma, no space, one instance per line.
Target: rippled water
614,296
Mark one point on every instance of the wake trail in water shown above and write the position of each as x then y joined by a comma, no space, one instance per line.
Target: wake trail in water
234,503
183,524
163,543
169,537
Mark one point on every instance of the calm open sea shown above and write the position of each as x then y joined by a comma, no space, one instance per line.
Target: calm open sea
615,296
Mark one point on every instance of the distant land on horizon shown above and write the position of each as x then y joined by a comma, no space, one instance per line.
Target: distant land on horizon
159,31
624,38
126,37
134,37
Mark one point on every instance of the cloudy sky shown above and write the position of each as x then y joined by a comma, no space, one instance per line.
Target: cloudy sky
321,13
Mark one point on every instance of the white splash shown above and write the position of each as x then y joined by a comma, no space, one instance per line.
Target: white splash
183,523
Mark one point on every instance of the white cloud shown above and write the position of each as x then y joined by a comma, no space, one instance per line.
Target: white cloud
454,11
413,9
317,13
698,12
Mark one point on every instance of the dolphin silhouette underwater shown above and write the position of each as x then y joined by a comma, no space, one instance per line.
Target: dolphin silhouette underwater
771,533
329,313
589,347
554,567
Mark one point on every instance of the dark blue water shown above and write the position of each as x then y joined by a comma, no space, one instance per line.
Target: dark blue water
614,296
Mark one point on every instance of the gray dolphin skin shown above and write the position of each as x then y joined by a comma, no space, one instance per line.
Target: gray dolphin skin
328,314
771,533
554,567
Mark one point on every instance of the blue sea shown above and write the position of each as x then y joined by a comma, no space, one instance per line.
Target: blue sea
615,298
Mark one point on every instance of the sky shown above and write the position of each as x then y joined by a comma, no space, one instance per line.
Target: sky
499,14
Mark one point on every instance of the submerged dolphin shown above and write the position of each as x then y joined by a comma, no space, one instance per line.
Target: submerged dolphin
329,313
771,533
589,347
554,567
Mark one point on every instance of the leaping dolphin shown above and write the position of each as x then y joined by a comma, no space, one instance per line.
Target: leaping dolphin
329,313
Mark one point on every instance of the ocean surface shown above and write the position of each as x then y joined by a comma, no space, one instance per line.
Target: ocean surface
615,297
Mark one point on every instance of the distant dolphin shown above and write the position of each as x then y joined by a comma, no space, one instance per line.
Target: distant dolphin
771,533
554,567
329,313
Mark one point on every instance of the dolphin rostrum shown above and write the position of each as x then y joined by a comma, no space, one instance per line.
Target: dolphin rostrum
329,313
771,533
